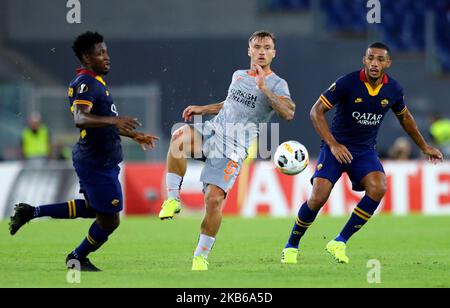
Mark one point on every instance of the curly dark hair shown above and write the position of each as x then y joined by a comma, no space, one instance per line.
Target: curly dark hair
85,43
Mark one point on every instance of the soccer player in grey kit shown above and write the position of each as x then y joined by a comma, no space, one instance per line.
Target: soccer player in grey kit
253,97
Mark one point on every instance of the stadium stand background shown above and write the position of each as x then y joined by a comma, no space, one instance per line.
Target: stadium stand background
186,52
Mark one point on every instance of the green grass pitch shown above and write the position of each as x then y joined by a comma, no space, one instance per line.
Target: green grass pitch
413,251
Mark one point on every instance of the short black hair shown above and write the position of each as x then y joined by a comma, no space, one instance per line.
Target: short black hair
380,45
262,34
85,43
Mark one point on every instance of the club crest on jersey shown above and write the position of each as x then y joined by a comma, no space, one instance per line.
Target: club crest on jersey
384,103
319,166
358,100
83,88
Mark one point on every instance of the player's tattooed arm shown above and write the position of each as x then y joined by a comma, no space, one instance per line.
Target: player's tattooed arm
84,119
284,107
320,124
409,125
193,110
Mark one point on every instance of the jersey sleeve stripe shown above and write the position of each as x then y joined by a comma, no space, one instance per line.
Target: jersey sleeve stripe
402,112
83,102
326,102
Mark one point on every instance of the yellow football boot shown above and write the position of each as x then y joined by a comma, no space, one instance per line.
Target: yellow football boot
337,250
199,263
169,208
289,256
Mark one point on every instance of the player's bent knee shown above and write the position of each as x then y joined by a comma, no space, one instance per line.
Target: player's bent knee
91,214
183,133
176,139
181,141
316,202
214,201
376,190
116,223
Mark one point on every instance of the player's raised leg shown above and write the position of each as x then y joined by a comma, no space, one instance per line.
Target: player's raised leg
214,198
183,144
375,186
306,215
23,212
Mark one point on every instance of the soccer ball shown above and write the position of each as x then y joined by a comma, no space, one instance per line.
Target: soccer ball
291,157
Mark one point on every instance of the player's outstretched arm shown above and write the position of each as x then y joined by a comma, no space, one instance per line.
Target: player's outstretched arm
84,119
320,124
409,125
147,141
193,110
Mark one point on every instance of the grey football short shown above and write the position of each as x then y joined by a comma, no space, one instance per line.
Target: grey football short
218,170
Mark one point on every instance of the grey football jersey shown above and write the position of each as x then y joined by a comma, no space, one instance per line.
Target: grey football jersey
245,107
